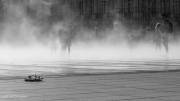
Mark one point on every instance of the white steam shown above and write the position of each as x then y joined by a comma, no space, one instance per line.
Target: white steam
24,39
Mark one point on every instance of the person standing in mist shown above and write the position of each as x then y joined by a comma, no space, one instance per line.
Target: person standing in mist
163,29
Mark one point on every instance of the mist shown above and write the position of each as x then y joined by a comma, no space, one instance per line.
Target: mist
32,30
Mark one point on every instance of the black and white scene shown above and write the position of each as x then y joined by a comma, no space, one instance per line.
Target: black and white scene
89,50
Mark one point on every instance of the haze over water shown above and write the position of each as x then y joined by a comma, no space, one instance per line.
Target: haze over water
35,37
83,60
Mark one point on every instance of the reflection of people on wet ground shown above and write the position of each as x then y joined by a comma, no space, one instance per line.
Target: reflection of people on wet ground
163,30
